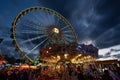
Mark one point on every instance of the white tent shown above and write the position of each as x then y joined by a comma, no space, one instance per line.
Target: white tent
107,58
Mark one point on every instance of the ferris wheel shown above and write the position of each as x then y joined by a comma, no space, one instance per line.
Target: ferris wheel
38,27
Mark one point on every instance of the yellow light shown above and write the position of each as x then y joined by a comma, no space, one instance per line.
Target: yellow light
73,60
25,66
33,67
79,55
89,56
65,55
58,67
53,57
58,57
56,30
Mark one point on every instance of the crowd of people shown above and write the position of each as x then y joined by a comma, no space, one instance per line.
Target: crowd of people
68,73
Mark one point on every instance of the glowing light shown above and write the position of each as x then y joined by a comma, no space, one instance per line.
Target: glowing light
1,62
53,57
33,67
65,55
56,30
47,52
58,57
79,54
25,66
73,60
50,47
89,56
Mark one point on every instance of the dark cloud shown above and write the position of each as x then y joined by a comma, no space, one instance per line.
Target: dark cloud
109,38
93,20
56,5
8,49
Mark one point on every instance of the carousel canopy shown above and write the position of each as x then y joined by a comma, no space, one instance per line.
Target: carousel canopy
73,52
72,49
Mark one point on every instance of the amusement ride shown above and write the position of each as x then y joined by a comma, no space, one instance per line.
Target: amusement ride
38,27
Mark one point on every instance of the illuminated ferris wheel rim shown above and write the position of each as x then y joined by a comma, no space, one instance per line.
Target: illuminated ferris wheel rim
31,9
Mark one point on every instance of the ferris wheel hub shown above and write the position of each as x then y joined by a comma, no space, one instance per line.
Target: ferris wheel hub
56,30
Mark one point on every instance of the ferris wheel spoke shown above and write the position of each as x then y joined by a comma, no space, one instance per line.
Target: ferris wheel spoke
32,39
68,40
68,31
32,25
36,16
69,36
38,45
64,39
47,44
31,32
42,18
64,28
57,21
47,19
51,18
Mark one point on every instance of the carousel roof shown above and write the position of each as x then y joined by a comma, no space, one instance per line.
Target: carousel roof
73,52
72,49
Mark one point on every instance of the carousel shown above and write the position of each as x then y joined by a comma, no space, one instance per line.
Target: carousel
69,53
61,57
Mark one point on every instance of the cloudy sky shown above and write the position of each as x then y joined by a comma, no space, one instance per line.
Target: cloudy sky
96,22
